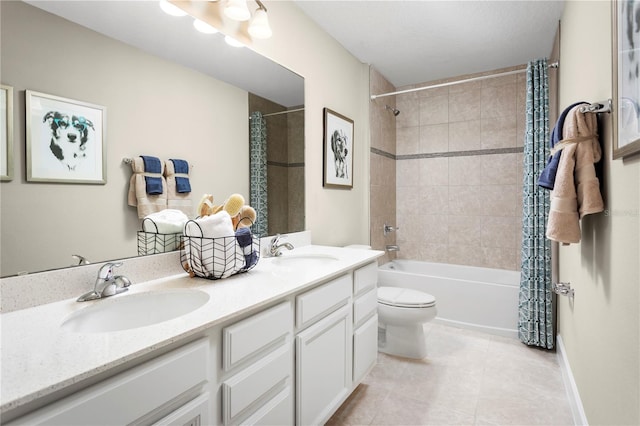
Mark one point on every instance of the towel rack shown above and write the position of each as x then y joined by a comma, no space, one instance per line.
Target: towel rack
128,160
563,289
598,107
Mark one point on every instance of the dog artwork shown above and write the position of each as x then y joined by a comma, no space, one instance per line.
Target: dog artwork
339,143
69,136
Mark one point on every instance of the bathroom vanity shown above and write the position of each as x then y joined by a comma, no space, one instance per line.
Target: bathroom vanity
285,343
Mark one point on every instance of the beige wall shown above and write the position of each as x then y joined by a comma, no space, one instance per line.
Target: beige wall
151,107
459,172
333,79
600,329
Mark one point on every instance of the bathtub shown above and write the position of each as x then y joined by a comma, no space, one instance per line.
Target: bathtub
481,299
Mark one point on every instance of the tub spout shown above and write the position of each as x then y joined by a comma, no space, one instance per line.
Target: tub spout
391,247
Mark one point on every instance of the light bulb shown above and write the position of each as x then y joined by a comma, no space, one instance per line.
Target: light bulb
171,9
237,10
203,27
259,27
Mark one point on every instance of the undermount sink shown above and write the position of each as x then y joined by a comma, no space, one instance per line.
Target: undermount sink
135,310
310,259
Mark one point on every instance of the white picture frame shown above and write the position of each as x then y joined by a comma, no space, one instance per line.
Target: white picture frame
6,133
626,82
66,140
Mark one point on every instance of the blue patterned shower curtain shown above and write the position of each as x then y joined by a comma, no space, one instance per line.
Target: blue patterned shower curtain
258,173
536,316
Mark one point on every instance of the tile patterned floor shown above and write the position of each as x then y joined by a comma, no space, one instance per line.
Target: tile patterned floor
467,378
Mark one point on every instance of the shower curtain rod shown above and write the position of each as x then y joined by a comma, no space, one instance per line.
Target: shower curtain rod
451,83
281,112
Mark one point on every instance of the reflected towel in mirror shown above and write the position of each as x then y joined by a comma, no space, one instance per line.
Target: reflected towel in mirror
138,196
178,186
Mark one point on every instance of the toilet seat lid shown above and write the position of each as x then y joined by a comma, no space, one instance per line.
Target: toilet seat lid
405,297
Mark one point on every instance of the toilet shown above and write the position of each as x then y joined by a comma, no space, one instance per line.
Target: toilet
402,314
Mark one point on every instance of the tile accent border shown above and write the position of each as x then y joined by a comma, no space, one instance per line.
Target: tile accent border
471,153
278,164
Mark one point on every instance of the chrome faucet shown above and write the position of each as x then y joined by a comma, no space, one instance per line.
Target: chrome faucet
107,284
275,247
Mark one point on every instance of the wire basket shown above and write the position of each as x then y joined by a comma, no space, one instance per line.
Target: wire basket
217,258
156,242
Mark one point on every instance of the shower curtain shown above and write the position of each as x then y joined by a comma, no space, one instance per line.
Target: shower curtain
535,325
258,172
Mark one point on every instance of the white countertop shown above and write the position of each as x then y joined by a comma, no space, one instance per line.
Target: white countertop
39,357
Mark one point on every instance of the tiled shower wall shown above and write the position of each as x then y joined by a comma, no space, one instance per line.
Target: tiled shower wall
285,165
383,166
459,172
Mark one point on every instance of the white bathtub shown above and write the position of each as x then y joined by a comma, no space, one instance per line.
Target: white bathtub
481,299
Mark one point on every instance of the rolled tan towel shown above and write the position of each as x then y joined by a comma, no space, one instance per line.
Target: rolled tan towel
138,197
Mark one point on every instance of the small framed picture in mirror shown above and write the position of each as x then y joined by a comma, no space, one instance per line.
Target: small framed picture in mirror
6,132
338,150
65,140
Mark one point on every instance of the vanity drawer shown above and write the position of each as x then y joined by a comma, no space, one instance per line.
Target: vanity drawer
257,386
365,278
137,395
365,306
257,333
321,301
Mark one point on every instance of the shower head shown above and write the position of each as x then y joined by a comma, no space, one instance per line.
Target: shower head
393,110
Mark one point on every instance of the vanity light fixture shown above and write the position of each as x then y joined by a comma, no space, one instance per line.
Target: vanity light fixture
259,26
171,9
237,10
203,27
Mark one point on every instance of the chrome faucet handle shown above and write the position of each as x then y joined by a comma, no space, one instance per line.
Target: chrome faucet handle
276,239
81,259
389,228
106,283
275,247
106,271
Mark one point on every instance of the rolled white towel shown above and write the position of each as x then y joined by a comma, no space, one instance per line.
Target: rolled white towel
215,226
168,221
216,253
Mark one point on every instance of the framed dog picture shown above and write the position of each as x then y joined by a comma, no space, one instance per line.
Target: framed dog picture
626,82
6,132
338,150
65,140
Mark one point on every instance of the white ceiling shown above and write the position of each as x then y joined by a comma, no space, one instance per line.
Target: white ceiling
409,42
413,42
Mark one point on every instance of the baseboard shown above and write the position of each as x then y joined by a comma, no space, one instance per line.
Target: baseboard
577,410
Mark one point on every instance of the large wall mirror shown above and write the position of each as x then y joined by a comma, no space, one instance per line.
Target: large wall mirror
168,91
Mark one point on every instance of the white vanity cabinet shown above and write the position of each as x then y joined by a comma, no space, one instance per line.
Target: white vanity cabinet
365,320
168,390
323,350
257,363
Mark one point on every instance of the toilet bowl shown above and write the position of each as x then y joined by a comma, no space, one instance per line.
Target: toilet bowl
402,314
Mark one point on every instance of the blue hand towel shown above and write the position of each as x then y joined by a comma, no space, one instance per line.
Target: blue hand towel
182,183
245,240
152,165
547,178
